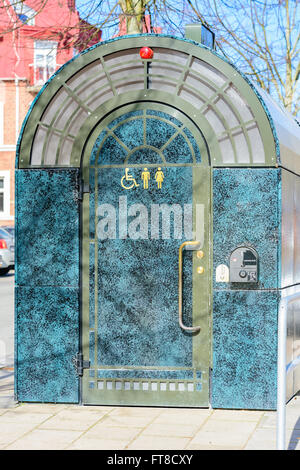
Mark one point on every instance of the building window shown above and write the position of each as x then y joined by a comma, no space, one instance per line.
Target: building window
5,195
71,5
1,123
44,61
1,194
24,13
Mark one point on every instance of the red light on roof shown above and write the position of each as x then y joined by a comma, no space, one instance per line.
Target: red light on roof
146,53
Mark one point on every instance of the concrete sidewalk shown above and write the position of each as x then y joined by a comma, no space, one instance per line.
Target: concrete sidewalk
50,426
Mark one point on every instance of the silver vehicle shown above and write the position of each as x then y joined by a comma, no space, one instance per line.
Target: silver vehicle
10,229
7,252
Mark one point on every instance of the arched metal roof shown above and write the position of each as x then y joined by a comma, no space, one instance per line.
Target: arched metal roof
191,79
288,133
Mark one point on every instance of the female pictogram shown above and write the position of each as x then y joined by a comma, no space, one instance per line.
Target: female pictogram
159,177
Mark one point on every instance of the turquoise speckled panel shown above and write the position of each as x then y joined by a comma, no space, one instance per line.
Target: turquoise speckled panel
246,210
138,280
245,349
47,340
47,209
47,279
148,137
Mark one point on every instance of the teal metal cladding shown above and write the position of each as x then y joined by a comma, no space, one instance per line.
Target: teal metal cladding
47,227
47,340
246,210
246,206
245,349
47,285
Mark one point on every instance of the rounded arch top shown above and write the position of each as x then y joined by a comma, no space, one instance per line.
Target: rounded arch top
142,133
196,81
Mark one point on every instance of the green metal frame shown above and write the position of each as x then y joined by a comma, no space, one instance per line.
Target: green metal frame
202,288
142,106
99,54
153,97
202,295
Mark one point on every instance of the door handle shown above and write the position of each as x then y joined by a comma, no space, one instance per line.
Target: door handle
194,245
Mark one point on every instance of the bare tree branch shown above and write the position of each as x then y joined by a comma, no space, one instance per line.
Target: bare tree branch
261,36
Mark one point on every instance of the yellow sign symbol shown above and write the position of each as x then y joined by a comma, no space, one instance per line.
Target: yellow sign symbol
130,178
159,177
146,177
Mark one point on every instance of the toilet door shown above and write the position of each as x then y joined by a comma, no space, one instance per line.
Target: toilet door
146,262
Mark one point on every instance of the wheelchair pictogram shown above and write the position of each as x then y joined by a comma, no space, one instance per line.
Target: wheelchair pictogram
128,177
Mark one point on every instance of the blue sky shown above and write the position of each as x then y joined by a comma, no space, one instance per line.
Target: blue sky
174,18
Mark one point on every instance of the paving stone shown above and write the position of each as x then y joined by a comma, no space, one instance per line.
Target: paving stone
9,432
45,408
136,411
211,438
292,420
224,433
187,411
196,419
45,439
265,439
76,420
229,426
92,443
172,430
104,409
142,427
158,443
127,421
262,439
23,417
237,415
210,447
119,433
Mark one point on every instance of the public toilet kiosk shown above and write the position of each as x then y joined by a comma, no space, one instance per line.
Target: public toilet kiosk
158,227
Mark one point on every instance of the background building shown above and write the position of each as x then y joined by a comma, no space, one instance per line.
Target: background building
34,43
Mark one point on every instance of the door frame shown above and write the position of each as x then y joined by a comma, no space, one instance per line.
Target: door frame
85,209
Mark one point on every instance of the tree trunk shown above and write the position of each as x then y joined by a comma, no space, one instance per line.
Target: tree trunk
134,12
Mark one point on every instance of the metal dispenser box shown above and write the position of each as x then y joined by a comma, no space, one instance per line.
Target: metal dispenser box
244,265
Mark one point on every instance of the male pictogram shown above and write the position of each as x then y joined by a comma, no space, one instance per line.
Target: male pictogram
159,177
146,177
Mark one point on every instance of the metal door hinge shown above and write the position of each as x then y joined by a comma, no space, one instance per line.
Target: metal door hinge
83,188
80,364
